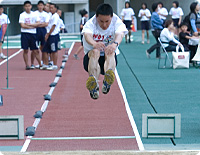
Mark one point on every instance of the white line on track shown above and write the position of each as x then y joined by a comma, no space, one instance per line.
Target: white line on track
43,108
10,57
130,116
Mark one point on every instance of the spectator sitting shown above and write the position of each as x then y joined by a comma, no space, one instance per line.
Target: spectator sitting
184,36
167,36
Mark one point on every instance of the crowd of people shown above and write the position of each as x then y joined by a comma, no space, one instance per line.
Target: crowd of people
39,34
176,31
170,26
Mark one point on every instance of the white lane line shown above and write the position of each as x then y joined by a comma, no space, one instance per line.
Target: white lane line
10,57
43,108
130,116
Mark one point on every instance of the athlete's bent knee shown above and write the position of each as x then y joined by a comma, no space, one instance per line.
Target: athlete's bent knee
94,54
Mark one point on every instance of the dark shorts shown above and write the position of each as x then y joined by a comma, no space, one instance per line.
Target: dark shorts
175,21
81,39
29,40
52,44
101,62
59,43
128,24
41,32
145,25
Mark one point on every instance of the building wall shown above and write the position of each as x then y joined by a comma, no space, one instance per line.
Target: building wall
16,7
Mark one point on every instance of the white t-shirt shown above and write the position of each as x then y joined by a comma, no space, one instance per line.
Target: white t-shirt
147,14
31,17
163,11
54,20
176,12
4,19
167,36
44,17
61,24
127,13
106,36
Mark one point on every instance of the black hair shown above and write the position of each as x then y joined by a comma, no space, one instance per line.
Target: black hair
193,7
104,9
53,5
154,6
168,22
183,24
177,3
1,6
40,2
145,4
129,5
83,12
27,2
161,3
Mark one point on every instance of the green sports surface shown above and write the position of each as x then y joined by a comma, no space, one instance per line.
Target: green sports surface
169,91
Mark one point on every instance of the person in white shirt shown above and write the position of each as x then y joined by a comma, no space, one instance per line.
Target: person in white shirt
163,13
47,8
29,21
84,15
144,15
101,36
4,21
41,29
62,25
127,18
167,36
52,39
176,12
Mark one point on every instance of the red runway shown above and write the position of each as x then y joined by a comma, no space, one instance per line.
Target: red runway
70,113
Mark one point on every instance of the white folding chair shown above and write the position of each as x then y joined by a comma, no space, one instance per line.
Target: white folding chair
166,56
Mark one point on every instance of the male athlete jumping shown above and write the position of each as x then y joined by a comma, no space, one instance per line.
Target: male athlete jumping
102,35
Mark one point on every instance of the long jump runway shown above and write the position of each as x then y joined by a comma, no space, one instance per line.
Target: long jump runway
72,113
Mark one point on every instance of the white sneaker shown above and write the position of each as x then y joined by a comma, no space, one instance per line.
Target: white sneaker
32,67
148,41
44,67
142,42
3,56
53,67
148,55
37,66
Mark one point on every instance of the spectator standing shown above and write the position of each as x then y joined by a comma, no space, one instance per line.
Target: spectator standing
195,26
41,29
84,15
163,13
127,18
144,15
52,38
4,21
29,21
62,25
157,26
176,12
